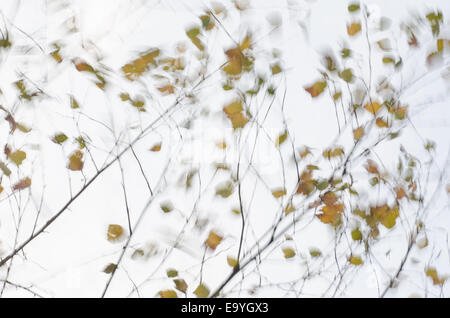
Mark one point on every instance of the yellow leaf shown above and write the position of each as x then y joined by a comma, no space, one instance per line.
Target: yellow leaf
115,232
168,294
373,107
356,235
225,189
289,208
76,161
232,261
355,260
277,193
213,240
433,274
381,123
17,157
281,138
288,252
142,64
317,88
234,113
331,214
353,28
201,291
358,133
276,68
156,147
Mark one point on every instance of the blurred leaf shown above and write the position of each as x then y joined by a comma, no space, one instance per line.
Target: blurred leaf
22,184
201,291
315,252
281,138
110,268
354,7
5,169
115,232
213,240
234,113
225,189
317,88
172,273
232,261
59,138
76,161
433,274
355,260
166,206
346,75
358,133
277,193
373,107
136,68
156,147
288,252
181,285
17,157
168,294
356,235
353,28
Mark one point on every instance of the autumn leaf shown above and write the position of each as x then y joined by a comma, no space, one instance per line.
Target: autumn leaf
115,232
172,273
156,147
201,291
22,184
76,161
358,133
136,68
234,113
331,214
168,294
277,193
166,206
314,252
353,28
17,157
281,138
356,235
225,189
355,260
232,262
59,138
110,268
346,75
317,88
5,169
288,252
193,34
433,274
181,285
380,122
373,107
213,240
